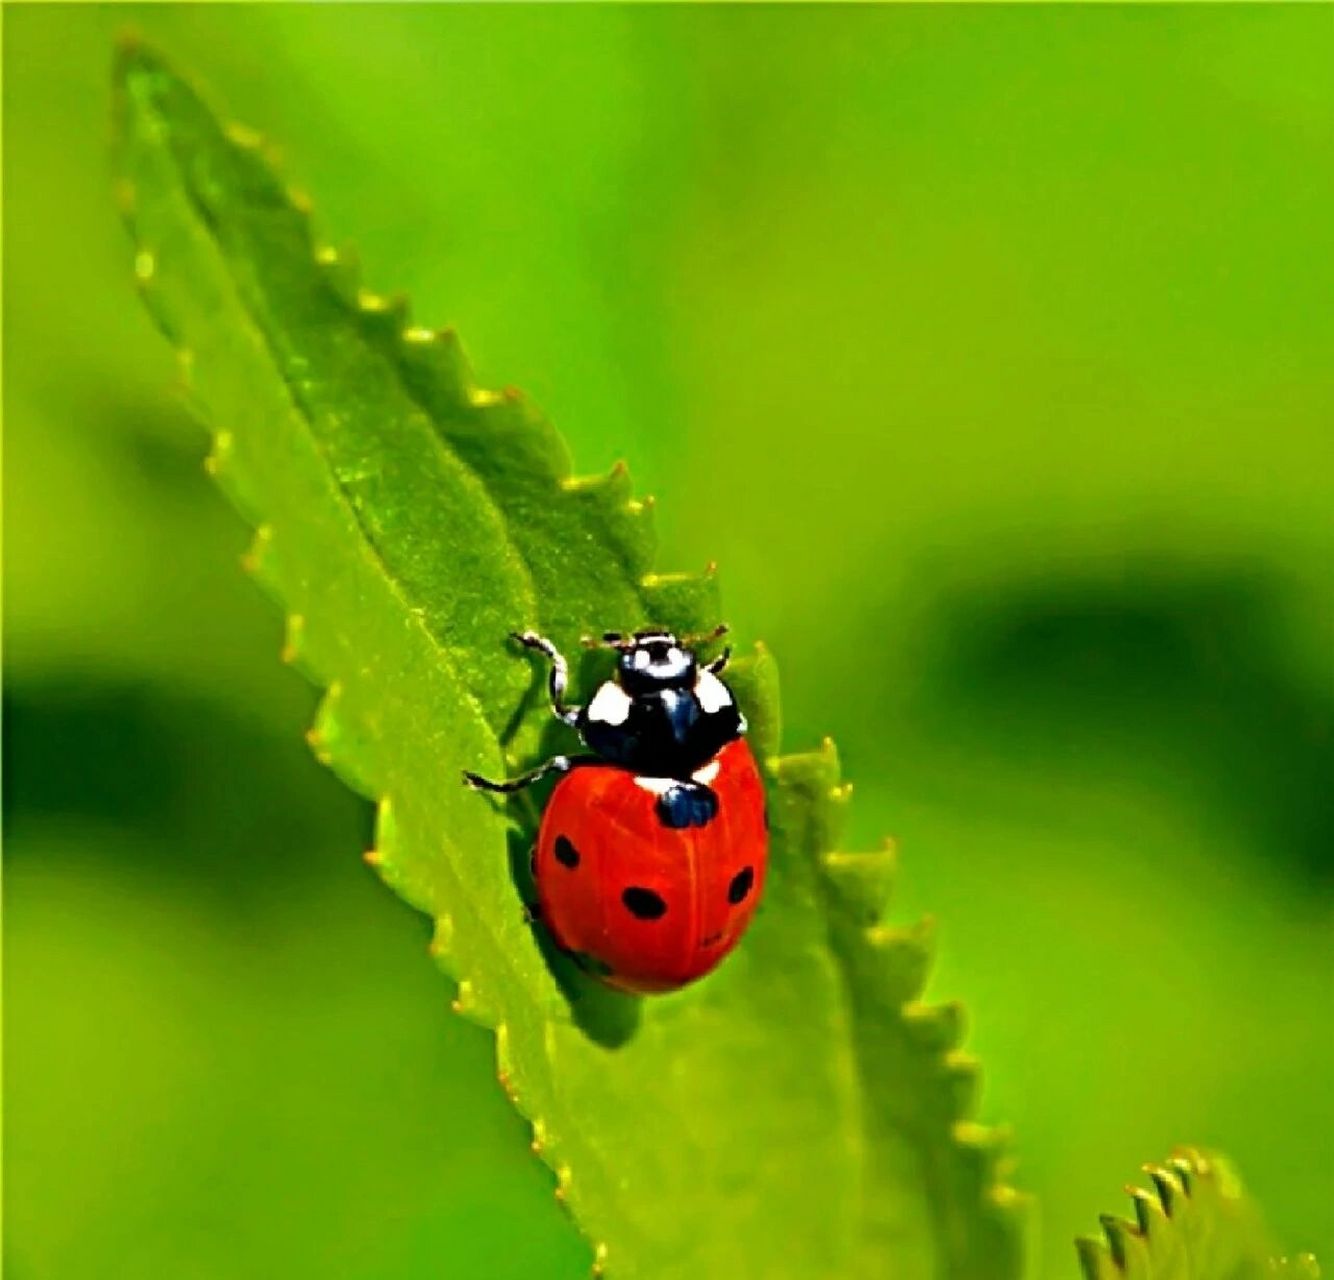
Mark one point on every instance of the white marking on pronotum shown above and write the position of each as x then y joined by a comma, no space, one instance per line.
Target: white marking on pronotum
610,705
707,774
676,663
712,693
659,786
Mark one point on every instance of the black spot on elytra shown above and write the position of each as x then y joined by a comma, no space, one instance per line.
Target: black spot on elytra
566,854
643,904
740,886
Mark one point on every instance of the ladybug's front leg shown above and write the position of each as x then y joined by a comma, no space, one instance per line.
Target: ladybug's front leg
560,673
720,661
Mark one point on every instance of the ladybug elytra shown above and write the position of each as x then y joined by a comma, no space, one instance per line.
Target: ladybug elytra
651,853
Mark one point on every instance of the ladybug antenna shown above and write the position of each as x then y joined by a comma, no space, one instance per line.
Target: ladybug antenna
705,637
619,641
607,640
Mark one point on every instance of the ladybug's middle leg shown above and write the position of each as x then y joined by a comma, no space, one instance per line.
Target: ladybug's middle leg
560,673
557,764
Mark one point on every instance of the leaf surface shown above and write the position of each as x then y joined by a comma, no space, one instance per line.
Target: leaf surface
1197,1223
800,1112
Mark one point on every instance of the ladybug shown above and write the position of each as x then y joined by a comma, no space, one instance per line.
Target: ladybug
651,853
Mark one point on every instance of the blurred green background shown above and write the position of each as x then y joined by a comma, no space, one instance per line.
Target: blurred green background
990,353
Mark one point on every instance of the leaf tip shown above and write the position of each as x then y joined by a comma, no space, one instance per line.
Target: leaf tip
129,40
214,462
1008,1198
1303,1266
1121,1235
341,269
385,309
540,1132
253,559
937,1028
133,55
145,268
861,883
1092,1255
1149,1212
185,367
1185,1169
294,638
564,1177
318,745
1166,1185
243,136
441,936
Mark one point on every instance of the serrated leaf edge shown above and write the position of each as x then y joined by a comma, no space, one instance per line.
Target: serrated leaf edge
854,903
1123,1248
841,875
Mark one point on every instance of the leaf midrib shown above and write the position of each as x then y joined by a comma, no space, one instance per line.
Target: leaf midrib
207,221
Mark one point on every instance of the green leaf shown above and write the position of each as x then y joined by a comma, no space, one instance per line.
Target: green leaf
1198,1223
799,1112
1302,1267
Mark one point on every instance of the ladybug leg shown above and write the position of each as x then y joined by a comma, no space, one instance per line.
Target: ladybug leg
707,637
560,673
703,637
557,764
720,661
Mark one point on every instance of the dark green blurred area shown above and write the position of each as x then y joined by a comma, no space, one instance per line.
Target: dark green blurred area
988,351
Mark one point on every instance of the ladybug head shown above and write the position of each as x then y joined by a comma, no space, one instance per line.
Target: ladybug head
654,660
665,715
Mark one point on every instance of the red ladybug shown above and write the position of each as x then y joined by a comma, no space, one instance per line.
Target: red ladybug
651,855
